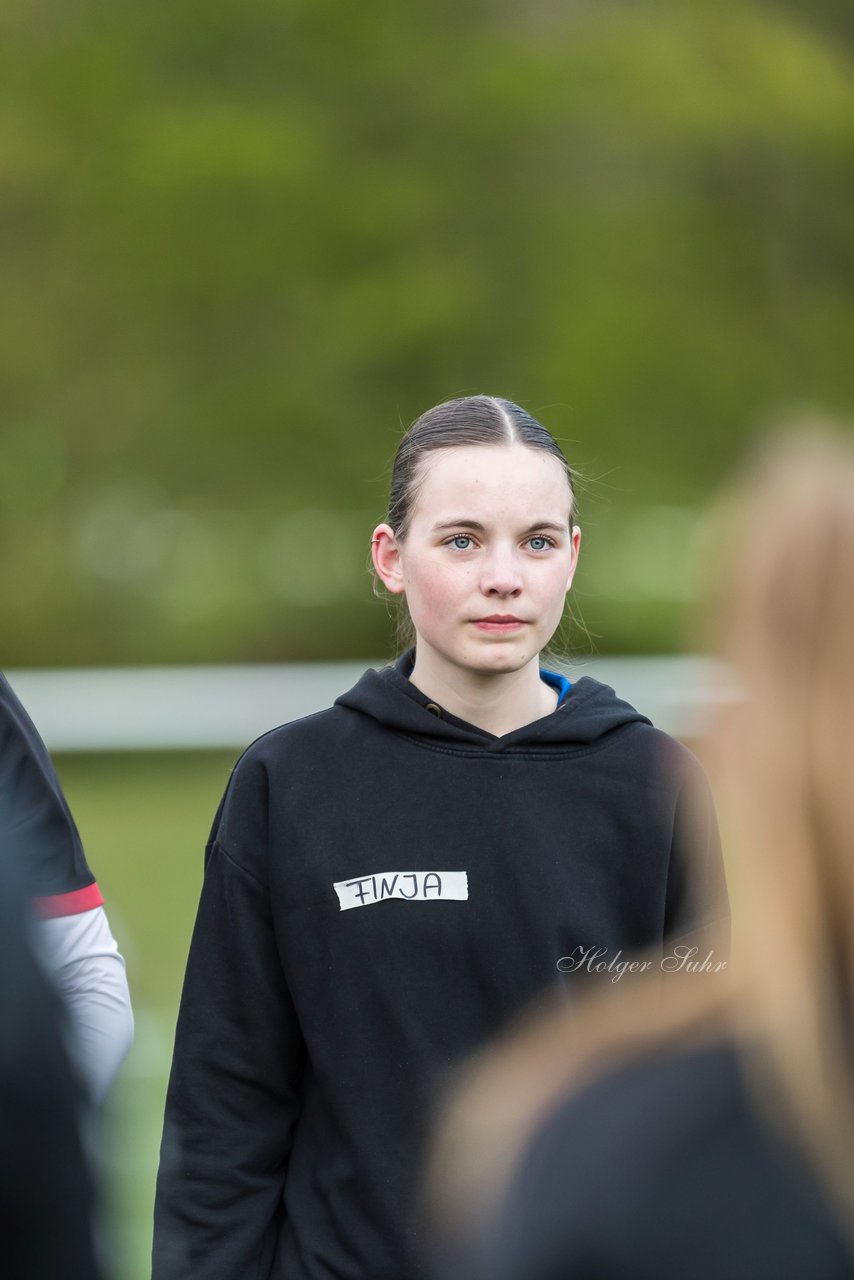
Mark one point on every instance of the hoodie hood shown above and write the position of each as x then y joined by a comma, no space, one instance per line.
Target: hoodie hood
588,710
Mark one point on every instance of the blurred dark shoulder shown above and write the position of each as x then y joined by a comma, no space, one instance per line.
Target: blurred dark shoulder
663,1167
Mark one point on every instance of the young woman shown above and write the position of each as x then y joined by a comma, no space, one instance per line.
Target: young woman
389,880
694,1130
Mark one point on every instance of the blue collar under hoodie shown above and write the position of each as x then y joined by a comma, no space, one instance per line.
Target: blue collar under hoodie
387,885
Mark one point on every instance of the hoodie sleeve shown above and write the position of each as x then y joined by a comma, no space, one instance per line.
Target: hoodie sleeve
232,1098
697,903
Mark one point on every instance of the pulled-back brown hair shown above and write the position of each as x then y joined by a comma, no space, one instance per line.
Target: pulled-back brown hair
487,420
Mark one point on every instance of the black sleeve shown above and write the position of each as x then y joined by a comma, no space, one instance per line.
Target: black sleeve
40,830
697,905
46,1192
232,1098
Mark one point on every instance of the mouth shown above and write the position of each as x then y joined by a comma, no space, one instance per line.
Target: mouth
499,622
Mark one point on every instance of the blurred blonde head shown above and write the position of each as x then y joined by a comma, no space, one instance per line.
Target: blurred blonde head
779,564
781,613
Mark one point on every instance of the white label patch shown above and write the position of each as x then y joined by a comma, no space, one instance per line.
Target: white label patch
414,886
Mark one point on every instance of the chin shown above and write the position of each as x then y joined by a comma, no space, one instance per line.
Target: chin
500,656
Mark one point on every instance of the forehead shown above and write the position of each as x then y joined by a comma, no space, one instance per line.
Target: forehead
479,480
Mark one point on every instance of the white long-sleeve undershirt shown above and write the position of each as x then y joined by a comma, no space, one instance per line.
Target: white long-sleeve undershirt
84,961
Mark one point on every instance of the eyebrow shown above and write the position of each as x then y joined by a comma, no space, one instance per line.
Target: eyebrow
474,524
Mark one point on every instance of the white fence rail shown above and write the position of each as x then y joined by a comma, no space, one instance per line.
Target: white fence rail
203,707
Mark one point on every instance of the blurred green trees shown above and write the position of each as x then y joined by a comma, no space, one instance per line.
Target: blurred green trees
244,243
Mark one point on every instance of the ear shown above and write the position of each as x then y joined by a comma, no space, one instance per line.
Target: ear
386,557
575,543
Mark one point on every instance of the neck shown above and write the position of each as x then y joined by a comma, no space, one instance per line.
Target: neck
497,702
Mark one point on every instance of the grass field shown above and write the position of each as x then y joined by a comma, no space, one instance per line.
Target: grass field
144,820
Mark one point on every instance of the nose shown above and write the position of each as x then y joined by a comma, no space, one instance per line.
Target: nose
501,574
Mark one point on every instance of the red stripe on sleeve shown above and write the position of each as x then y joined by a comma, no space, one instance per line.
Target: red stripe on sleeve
69,904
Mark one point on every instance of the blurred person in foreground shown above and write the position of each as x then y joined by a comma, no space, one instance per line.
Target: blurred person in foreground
669,1126
72,935
66,1022
46,1192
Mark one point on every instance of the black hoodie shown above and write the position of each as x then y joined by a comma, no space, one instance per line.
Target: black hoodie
385,886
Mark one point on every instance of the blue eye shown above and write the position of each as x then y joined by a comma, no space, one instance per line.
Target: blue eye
461,537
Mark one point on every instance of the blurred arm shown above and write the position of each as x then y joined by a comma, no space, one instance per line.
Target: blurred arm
46,1188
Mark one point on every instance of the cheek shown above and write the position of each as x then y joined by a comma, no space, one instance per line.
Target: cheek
433,586
554,584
